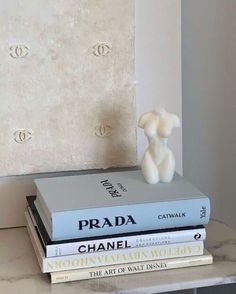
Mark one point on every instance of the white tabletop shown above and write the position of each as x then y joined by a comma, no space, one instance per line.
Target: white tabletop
20,273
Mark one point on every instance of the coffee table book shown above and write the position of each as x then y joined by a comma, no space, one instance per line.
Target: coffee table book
111,242
113,269
114,203
131,268
87,260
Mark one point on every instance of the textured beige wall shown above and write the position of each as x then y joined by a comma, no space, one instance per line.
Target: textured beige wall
67,85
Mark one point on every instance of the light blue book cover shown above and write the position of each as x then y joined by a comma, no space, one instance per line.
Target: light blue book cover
117,202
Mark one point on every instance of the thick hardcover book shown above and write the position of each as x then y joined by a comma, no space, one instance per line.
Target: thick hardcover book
119,241
130,268
88,260
117,202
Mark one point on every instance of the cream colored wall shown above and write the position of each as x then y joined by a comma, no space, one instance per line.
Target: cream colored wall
209,105
158,74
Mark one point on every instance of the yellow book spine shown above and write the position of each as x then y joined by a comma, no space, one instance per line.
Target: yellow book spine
122,256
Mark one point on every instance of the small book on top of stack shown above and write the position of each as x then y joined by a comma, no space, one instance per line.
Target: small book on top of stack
109,224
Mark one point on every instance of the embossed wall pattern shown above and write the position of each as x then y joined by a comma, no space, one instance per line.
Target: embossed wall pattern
67,90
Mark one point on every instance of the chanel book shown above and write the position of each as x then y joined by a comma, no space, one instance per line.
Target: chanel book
111,242
115,203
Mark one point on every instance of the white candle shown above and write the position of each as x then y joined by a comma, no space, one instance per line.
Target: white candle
158,163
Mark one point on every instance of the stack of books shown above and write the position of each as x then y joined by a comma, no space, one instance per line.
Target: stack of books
109,224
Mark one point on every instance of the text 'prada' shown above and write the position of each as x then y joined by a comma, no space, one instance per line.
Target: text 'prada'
105,222
111,189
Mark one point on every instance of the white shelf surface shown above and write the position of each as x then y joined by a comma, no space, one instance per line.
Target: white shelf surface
20,273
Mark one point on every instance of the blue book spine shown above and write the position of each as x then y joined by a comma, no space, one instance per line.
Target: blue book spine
129,218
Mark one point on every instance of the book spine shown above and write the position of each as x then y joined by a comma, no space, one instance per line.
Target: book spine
129,218
86,260
132,268
89,260
134,241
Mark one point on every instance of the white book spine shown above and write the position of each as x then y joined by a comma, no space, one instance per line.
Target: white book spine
134,241
60,263
132,268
